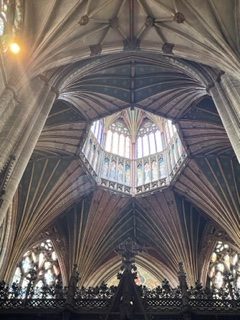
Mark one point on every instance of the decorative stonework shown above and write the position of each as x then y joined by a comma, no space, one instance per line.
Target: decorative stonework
167,48
128,250
179,17
84,20
149,21
95,49
114,23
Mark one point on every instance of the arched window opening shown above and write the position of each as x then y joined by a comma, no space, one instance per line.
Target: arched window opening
149,139
117,139
224,267
42,259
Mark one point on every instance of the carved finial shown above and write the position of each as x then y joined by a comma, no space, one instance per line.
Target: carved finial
72,285
182,275
75,273
128,250
183,284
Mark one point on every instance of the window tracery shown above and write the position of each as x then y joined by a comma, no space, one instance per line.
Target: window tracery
118,139
149,139
43,260
224,267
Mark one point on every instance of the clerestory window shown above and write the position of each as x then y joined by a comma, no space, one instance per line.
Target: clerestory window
118,139
149,139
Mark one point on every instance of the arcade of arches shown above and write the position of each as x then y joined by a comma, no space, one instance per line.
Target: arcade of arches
120,119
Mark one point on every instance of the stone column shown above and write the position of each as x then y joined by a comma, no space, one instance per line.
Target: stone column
23,133
226,95
20,119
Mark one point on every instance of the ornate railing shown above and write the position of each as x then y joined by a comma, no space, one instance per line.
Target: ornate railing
91,299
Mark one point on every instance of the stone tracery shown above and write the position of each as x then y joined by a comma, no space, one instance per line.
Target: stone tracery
43,261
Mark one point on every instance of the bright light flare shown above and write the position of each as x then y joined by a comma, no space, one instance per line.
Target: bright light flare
14,47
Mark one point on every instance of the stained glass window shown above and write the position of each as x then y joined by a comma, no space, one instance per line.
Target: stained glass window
43,259
127,174
224,262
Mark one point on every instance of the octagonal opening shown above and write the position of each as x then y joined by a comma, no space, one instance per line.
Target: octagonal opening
133,152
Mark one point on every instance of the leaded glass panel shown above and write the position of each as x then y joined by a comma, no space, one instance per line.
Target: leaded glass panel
43,260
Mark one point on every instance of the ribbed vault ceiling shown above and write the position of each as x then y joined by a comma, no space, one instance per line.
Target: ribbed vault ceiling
67,31
173,224
104,56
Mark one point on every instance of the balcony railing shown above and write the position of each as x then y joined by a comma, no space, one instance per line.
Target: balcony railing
162,299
